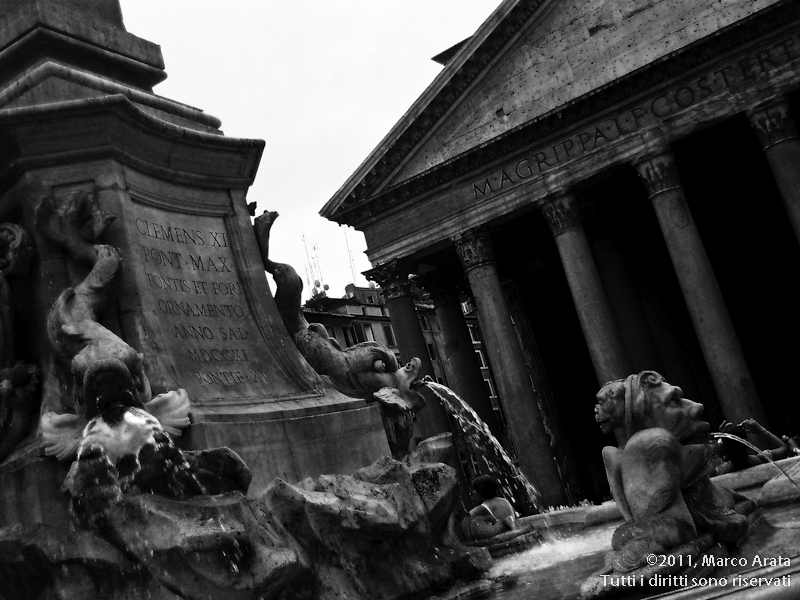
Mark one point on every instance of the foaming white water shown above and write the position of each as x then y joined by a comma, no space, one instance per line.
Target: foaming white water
551,553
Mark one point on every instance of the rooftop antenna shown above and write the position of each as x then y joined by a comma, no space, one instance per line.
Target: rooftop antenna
349,255
319,265
309,268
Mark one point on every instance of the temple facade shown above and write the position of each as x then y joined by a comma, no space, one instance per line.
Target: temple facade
618,182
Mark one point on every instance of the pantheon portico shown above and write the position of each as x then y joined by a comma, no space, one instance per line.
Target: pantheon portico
619,184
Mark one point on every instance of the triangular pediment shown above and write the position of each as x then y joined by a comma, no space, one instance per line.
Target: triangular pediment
573,49
564,50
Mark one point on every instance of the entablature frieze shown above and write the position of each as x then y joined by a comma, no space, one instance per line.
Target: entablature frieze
113,127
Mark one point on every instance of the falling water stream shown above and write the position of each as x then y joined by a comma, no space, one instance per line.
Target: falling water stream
497,462
763,455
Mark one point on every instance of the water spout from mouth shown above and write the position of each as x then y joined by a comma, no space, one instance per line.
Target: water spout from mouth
763,455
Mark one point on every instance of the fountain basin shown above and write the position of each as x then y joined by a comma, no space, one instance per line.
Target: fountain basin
576,540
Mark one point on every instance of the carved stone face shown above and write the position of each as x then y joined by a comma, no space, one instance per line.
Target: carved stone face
660,404
111,385
647,400
382,376
609,411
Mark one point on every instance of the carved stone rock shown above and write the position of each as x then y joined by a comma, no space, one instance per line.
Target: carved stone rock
380,533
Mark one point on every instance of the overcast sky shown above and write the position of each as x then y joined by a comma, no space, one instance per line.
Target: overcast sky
321,81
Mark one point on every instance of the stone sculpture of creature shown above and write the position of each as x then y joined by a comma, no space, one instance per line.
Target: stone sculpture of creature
107,375
658,476
130,484
359,371
19,382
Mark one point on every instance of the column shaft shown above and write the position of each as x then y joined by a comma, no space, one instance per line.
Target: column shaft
432,419
709,314
516,391
460,356
777,133
594,313
623,299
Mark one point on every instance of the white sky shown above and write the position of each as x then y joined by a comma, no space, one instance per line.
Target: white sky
322,81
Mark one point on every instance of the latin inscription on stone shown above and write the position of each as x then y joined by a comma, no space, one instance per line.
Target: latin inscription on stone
197,298
673,101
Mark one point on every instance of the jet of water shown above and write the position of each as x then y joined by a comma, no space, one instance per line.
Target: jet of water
763,455
484,445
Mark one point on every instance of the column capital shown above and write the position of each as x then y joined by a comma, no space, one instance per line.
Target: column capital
444,285
474,249
561,213
393,277
659,173
773,122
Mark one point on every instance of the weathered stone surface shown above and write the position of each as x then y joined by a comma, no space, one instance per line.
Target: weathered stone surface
437,485
783,487
45,561
436,449
379,533
207,547
219,470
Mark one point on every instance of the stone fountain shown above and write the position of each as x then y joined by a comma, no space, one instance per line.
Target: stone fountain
673,530
167,428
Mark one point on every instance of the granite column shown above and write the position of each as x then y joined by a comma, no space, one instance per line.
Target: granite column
516,391
712,322
594,313
776,130
396,290
467,379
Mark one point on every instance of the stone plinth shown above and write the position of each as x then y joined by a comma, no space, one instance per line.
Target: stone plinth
77,117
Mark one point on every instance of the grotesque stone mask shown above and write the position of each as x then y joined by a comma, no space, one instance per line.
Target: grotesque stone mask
655,403
609,411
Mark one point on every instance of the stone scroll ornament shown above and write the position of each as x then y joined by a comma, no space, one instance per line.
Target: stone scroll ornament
367,370
19,381
660,479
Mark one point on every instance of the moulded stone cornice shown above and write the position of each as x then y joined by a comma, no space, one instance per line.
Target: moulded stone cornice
114,127
360,208
35,76
104,30
43,43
